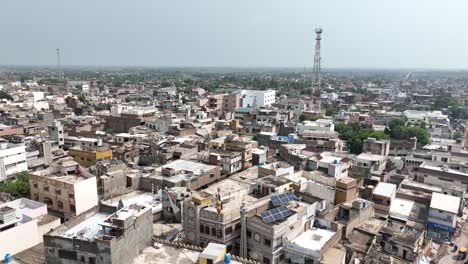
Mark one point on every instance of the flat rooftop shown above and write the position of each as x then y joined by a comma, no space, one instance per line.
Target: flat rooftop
179,165
139,198
372,157
312,240
445,202
88,229
385,189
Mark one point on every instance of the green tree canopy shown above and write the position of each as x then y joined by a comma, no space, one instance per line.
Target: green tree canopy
399,129
18,186
355,135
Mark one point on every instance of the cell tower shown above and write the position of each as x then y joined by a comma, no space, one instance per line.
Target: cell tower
316,72
59,66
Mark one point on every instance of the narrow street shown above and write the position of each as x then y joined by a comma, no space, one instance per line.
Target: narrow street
446,252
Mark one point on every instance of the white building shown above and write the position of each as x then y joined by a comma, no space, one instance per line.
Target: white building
318,125
257,98
442,219
56,133
12,159
23,222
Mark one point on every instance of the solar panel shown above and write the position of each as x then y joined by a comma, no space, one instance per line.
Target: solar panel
283,198
275,214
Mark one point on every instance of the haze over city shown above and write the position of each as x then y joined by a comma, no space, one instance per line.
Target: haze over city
357,34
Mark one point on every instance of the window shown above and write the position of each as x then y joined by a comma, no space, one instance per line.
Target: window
267,242
92,260
83,259
60,204
220,233
266,260
202,229
213,231
35,185
395,248
58,191
237,226
46,188
249,234
207,230
228,230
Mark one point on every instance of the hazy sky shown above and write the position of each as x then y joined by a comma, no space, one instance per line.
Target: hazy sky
246,33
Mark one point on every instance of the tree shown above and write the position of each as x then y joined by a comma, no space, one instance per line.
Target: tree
303,118
68,100
355,135
5,95
399,129
82,98
18,186
329,111
457,135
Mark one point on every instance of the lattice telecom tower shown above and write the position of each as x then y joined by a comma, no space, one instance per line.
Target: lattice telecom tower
316,72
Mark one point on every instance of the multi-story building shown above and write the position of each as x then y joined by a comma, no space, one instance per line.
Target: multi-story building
383,195
230,161
12,159
56,133
271,227
234,143
23,222
67,189
399,240
442,219
182,173
441,176
318,125
320,141
101,235
366,164
257,98
213,215
334,166
377,147
87,156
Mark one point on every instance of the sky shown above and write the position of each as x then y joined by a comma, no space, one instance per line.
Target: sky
236,33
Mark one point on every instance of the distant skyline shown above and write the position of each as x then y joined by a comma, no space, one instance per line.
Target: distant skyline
425,34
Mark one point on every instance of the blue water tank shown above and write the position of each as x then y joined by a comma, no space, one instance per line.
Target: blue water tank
335,161
364,204
8,258
227,258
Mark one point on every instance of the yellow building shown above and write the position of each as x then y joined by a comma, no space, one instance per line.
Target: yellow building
87,156
212,254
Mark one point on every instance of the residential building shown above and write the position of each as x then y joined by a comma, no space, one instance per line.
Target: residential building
67,189
377,147
101,235
318,125
181,173
441,176
442,219
56,132
12,159
23,222
320,141
87,156
257,98
383,195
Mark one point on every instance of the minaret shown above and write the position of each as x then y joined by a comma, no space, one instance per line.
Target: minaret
316,81
243,242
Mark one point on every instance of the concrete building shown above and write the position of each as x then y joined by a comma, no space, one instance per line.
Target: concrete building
377,147
334,166
267,237
213,215
181,173
257,98
101,235
399,240
234,143
56,133
12,159
440,176
87,156
365,165
442,219
67,189
320,141
230,161
318,125
23,222
383,195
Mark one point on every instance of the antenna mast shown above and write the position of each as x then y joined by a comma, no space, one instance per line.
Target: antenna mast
316,81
